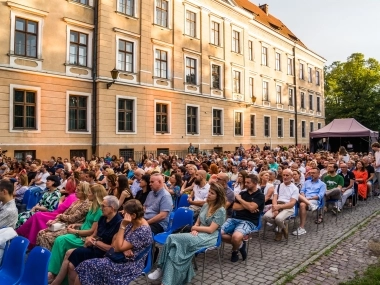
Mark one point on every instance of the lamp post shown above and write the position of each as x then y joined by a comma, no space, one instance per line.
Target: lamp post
114,75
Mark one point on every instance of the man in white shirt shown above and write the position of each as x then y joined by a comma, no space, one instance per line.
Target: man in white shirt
376,149
200,192
40,179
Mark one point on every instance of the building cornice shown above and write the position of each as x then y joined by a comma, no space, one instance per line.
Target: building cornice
27,9
78,23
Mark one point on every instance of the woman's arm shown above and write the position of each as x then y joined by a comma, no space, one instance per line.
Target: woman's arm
119,243
206,229
269,194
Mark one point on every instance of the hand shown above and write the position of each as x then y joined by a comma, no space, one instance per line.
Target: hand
275,213
72,226
128,253
71,230
50,222
127,219
194,233
89,241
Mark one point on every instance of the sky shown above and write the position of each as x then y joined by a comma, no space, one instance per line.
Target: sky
334,29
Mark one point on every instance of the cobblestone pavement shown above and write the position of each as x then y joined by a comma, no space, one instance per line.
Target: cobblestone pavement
280,258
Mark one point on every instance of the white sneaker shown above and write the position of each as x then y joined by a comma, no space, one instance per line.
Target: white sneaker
300,231
157,274
313,207
269,224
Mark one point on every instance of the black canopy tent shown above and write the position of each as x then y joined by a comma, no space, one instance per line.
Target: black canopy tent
343,132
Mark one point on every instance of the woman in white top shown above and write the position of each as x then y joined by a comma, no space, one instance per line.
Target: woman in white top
239,185
343,154
266,188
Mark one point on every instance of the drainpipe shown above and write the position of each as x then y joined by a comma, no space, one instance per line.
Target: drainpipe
94,121
295,97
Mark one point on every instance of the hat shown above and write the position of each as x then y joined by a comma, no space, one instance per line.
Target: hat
55,179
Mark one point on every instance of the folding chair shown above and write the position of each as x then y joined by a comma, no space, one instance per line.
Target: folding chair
250,236
148,265
36,268
34,198
320,211
205,250
183,201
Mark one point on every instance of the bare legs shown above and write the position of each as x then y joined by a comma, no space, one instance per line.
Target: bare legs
64,268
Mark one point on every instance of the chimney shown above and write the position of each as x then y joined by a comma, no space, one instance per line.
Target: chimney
265,8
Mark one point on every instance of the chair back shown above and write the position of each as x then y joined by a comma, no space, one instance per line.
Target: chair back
182,217
25,199
296,209
230,183
34,198
183,201
36,268
13,260
219,240
148,261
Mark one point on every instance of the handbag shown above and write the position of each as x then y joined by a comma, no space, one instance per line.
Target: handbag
56,227
119,257
180,230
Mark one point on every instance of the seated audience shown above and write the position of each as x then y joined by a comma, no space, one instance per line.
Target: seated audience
8,210
334,184
348,185
239,185
144,189
361,176
199,194
222,179
20,188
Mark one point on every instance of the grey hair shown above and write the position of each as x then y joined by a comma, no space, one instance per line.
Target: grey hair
112,201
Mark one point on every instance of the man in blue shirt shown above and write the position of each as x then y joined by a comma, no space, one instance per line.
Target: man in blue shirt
311,193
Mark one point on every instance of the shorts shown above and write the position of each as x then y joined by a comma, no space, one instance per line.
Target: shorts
241,226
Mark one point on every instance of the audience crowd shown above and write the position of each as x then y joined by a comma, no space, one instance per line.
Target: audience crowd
98,217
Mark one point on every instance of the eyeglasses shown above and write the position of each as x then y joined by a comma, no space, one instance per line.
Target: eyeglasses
104,206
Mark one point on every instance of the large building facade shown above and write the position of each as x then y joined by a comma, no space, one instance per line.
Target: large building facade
215,73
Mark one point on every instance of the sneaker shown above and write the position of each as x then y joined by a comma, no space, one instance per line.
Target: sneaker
335,210
338,210
313,207
300,231
276,229
157,274
269,224
235,256
243,250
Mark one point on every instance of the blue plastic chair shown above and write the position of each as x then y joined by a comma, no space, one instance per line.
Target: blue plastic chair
182,217
148,265
25,199
34,198
230,183
36,268
13,261
205,250
183,201
293,217
250,235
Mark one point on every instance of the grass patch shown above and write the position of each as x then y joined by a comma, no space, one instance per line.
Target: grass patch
331,249
288,278
370,277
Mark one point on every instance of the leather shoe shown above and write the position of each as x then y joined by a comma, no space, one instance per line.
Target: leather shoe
278,236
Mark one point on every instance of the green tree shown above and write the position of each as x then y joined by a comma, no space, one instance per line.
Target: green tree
352,90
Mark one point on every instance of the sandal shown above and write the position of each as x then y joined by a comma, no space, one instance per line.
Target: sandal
319,220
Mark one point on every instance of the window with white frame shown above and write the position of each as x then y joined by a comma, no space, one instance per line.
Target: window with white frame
125,55
311,126
190,23
127,7
162,117
264,56
250,50
253,125
265,91
302,100
78,112
266,126
309,75
236,80
192,119
280,127
278,61
236,41
162,13
78,48
251,87
161,63
317,78
238,119
215,33
126,114
290,66
84,2
217,122
26,37
278,94
311,102
291,128
215,76
318,104
302,76
291,97
191,71
303,129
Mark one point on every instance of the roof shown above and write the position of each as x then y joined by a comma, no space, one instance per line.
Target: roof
269,20
343,128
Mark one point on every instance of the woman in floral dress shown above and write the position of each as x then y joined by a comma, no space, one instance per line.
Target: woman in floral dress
48,202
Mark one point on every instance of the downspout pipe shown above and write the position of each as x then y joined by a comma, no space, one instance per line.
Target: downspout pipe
94,97
295,97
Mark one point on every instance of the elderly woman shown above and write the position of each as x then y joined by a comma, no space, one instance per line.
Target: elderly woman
75,214
267,189
96,245
48,202
133,239
75,235
40,220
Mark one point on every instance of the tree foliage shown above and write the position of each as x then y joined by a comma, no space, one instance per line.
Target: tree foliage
352,90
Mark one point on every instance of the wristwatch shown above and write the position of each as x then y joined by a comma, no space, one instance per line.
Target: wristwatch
77,233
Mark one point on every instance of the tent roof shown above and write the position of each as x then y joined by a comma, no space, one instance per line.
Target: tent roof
343,128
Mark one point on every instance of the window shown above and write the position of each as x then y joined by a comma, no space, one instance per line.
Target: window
311,126
78,153
253,122
190,23
251,88
318,104
127,153
238,123
265,91
26,35
192,120
24,109
236,41
161,64
303,129
78,48
125,56
215,30
301,71
78,113
310,102
280,127
291,128
215,76
302,100
127,7
319,126
126,116
317,78
217,121
291,97
162,118
278,94
20,155
191,72
278,61
290,66
162,13
250,50
236,81
264,56
163,151
309,75
84,2
267,126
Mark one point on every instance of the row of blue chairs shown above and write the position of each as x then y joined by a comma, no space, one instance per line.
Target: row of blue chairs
15,271
31,198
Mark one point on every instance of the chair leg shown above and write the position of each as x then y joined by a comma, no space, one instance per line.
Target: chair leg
287,227
204,261
220,263
146,279
261,249
247,252
265,228
195,263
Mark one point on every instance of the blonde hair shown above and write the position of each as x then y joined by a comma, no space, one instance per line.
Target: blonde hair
24,180
99,193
